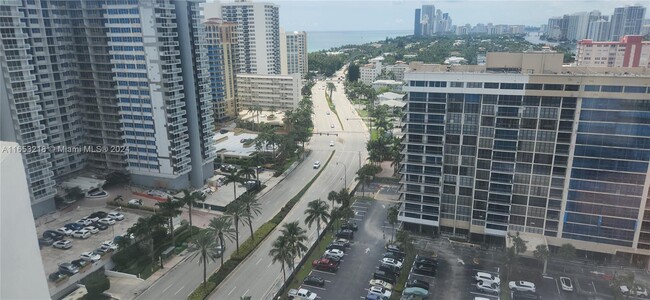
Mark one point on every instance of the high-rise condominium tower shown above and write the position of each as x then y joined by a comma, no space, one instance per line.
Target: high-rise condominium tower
626,21
258,32
294,52
221,38
130,75
523,144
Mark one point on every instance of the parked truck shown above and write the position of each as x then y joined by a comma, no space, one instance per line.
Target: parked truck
301,294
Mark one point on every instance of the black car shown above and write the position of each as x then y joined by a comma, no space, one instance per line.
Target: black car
56,276
98,214
381,275
395,249
424,270
426,261
79,263
100,226
45,241
394,256
389,269
314,281
345,233
55,235
350,226
418,283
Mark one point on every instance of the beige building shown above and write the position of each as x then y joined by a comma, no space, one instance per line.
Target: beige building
270,92
630,51
293,48
223,36
368,73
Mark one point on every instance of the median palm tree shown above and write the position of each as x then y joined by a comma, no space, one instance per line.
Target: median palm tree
206,246
238,213
330,88
252,206
233,178
144,229
221,227
296,236
317,211
541,252
190,199
281,252
170,209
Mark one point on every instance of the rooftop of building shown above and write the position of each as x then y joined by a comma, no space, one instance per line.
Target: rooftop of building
387,81
624,40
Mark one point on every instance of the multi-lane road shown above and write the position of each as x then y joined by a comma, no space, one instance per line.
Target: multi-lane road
256,276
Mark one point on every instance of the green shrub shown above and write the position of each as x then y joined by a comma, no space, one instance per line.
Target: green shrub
223,272
249,245
200,292
96,284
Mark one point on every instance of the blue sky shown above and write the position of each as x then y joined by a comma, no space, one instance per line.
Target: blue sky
338,15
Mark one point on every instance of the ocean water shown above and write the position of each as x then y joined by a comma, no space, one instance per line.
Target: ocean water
324,40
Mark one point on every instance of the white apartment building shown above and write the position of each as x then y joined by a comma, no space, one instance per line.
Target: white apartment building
397,69
270,92
630,51
370,71
258,31
293,47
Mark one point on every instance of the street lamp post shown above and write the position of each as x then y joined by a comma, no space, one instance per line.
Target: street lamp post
345,175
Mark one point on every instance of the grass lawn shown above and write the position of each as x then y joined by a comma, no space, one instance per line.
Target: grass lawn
362,113
374,134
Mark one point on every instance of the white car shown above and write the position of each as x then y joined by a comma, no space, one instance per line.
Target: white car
487,288
108,245
381,283
487,278
115,216
136,202
391,262
90,256
107,221
316,164
93,219
335,252
92,229
331,143
84,222
566,284
82,234
522,286
640,291
380,291
65,231
328,112
62,244
331,125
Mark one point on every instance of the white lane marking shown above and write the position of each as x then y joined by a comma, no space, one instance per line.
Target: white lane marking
163,291
259,261
179,290
246,292
233,289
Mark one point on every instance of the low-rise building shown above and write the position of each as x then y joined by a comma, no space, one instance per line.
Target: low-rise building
630,51
394,85
370,71
269,92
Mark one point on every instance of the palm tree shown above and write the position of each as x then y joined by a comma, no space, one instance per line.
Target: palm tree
518,243
246,170
238,213
145,228
541,252
317,211
221,227
206,246
252,206
365,175
333,197
281,252
395,154
330,88
190,199
393,212
296,236
170,209
233,178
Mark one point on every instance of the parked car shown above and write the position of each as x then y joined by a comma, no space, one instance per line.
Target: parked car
371,296
424,270
228,168
79,263
107,221
337,246
378,290
331,143
84,222
101,251
136,202
335,252
68,269
350,226
55,235
81,234
345,233
487,278
325,264
62,244
100,226
90,256
56,276
45,241
65,230
389,269
345,242
333,258
418,283
92,218
314,281
392,262
98,215
395,249
393,256
517,295
301,294
381,283
416,291
316,164
426,261
92,229
522,286
566,284
488,288
73,226
108,245
387,277
639,291
115,216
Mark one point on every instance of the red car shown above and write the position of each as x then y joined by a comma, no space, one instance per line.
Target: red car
325,264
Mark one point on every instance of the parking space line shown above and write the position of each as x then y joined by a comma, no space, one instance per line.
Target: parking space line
331,273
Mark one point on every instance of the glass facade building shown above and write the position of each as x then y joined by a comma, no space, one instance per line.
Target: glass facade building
561,156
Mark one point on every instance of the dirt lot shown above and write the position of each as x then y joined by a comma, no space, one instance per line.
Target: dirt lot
52,257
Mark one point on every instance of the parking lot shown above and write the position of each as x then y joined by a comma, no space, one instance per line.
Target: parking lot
52,257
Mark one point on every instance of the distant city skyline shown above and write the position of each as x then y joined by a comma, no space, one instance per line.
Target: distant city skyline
338,15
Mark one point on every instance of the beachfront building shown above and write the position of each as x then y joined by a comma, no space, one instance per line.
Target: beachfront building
294,53
526,145
107,80
258,33
630,51
221,40
269,92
